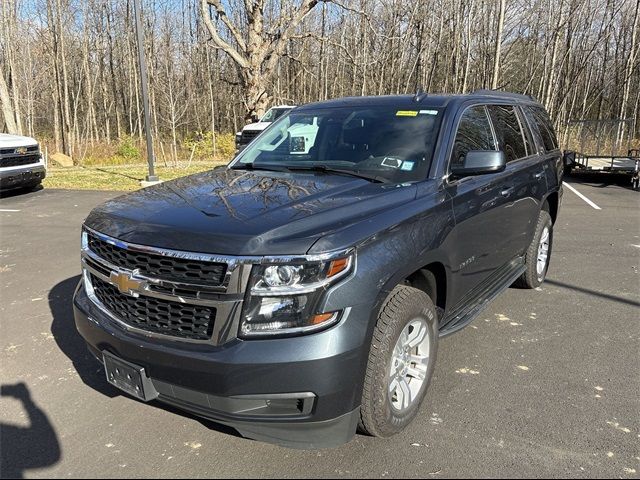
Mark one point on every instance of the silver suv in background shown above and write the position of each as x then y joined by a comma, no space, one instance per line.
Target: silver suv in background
251,131
21,163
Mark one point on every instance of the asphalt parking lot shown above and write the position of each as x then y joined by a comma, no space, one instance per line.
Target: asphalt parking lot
545,383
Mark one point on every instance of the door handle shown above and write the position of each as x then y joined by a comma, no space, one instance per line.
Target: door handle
539,175
507,191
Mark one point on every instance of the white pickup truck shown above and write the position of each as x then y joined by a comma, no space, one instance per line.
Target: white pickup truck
21,163
251,131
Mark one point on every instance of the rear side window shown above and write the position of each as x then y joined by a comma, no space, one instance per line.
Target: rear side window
508,131
542,121
474,133
527,134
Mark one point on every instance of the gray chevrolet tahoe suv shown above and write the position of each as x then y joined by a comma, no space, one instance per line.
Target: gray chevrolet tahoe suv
299,293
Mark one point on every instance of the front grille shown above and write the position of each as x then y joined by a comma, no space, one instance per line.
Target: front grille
18,160
248,135
160,267
12,150
156,315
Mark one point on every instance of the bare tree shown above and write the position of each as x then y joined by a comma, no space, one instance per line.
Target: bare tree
498,43
7,107
68,70
258,45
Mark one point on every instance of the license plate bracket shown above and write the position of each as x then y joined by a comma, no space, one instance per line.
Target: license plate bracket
128,377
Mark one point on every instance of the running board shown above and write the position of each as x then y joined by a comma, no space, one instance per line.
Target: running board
463,316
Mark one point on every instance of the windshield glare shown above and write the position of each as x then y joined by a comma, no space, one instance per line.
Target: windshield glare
390,143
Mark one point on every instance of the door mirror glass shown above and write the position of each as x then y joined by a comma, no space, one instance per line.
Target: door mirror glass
479,162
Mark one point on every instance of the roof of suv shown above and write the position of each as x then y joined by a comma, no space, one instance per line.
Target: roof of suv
421,99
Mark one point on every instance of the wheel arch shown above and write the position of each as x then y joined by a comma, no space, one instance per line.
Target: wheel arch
551,204
431,279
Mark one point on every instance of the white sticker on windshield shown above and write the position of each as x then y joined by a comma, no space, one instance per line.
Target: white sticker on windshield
392,162
407,166
428,112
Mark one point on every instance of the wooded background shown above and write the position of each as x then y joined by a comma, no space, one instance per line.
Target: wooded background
69,73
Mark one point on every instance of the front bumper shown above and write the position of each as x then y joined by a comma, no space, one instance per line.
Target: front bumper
253,386
22,177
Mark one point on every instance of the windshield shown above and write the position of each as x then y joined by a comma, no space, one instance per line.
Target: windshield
273,114
377,142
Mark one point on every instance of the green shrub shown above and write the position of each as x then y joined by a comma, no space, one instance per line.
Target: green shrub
202,141
226,145
128,150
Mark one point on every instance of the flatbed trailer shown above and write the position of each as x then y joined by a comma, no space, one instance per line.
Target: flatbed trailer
603,146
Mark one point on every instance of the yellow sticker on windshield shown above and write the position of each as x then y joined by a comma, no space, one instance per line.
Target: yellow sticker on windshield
407,113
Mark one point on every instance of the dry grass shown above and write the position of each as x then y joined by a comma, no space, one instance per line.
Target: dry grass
129,150
118,178
601,140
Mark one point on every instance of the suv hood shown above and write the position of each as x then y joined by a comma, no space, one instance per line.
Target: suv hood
239,212
259,126
9,141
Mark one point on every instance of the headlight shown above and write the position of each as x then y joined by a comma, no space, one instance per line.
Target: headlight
84,240
284,298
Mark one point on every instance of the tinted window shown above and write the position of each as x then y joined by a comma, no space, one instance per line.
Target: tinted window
392,143
526,130
534,129
474,133
542,121
507,127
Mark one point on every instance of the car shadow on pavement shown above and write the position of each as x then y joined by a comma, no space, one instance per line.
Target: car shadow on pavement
606,296
35,446
73,346
209,424
64,331
15,192
600,180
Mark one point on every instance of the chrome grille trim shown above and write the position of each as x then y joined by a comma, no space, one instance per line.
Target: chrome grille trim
146,289
229,259
227,298
226,312
227,285
153,315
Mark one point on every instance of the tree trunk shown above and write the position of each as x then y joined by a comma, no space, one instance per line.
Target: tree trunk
7,108
257,97
498,48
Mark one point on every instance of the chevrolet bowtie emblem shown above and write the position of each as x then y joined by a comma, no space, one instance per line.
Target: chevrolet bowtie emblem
125,283
21,150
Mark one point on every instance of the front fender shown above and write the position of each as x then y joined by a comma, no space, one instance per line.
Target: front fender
385,259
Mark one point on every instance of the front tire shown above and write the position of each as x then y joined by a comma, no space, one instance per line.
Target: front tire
32,187
538,254
401,362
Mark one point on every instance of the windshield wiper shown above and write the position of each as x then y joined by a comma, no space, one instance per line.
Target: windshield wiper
251,166
325,169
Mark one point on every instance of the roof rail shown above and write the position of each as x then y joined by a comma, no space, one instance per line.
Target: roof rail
420,95
500,93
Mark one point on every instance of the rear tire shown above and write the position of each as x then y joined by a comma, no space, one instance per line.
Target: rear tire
538,254
407,316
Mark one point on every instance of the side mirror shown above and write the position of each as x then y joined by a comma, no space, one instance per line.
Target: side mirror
480,162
